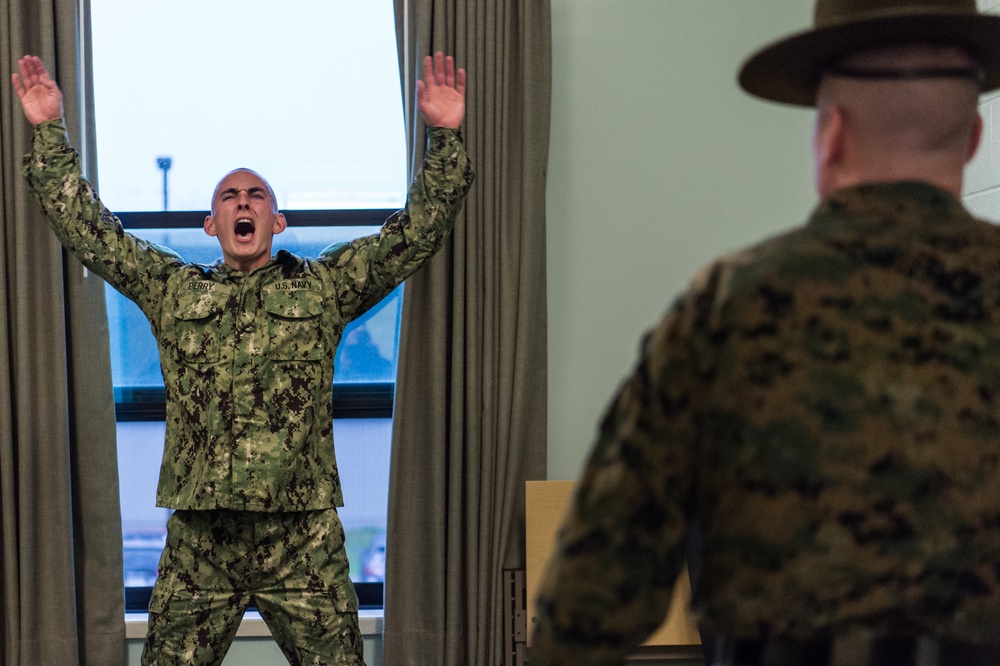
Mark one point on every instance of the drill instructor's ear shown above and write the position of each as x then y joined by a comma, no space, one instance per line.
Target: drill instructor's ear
830,137
975,138
210,226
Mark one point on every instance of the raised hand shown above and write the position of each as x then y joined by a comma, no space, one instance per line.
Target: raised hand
441,93
40,97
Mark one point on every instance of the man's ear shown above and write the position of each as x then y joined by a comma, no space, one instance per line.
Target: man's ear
975,138
210,226
828,149
280,223
830,137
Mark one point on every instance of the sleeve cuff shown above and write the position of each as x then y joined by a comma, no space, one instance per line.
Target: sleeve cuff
445,134
51,133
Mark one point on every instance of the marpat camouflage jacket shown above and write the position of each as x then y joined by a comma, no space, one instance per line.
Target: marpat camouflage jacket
825,408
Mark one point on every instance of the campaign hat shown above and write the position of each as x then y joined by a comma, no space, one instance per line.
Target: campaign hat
789,69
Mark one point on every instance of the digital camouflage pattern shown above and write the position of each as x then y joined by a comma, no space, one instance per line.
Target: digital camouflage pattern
824,408
216,562
247,360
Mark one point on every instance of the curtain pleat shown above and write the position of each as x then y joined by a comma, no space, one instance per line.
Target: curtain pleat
60,525
470,417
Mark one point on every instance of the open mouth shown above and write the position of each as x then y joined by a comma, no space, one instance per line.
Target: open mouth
244,229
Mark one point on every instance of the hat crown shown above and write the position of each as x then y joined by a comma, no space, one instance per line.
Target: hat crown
837,12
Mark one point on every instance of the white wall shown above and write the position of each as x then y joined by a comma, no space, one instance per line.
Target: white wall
982,178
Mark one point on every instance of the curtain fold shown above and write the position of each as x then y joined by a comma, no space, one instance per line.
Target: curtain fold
470,417
60,525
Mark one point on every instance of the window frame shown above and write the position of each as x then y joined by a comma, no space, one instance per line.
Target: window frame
351,400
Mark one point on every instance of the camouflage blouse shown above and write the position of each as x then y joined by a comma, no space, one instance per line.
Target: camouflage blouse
247,360
824,410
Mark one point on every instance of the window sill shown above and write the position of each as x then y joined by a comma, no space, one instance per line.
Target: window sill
253,626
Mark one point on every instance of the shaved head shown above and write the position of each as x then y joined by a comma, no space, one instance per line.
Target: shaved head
920,126
267,186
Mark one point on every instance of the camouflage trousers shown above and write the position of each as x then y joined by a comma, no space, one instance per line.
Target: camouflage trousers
292,566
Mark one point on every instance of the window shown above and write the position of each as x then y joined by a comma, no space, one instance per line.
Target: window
307,93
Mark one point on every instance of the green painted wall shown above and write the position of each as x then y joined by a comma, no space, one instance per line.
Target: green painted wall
658,163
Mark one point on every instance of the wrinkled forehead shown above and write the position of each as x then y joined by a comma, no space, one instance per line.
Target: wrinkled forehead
242,179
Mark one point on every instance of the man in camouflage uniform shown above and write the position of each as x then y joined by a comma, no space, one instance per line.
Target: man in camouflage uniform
818,414
246,348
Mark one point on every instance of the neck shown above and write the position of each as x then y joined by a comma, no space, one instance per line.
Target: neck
247,267
951,183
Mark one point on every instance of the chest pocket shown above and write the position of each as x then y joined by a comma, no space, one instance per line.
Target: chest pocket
294,324
197,323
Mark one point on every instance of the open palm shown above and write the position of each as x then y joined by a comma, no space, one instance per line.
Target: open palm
40,97
441,93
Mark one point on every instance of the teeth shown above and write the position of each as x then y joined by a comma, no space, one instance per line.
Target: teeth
243,227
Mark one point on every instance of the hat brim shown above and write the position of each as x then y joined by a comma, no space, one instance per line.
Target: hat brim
789,70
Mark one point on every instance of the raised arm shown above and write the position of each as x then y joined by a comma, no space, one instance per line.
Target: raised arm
40,97
412,235
441,93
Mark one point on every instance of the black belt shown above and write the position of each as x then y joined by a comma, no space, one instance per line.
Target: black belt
854,650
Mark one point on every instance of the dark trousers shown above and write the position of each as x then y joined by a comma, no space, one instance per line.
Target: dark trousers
853,650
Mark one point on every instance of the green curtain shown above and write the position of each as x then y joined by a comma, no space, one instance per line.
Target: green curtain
470,416
60,524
